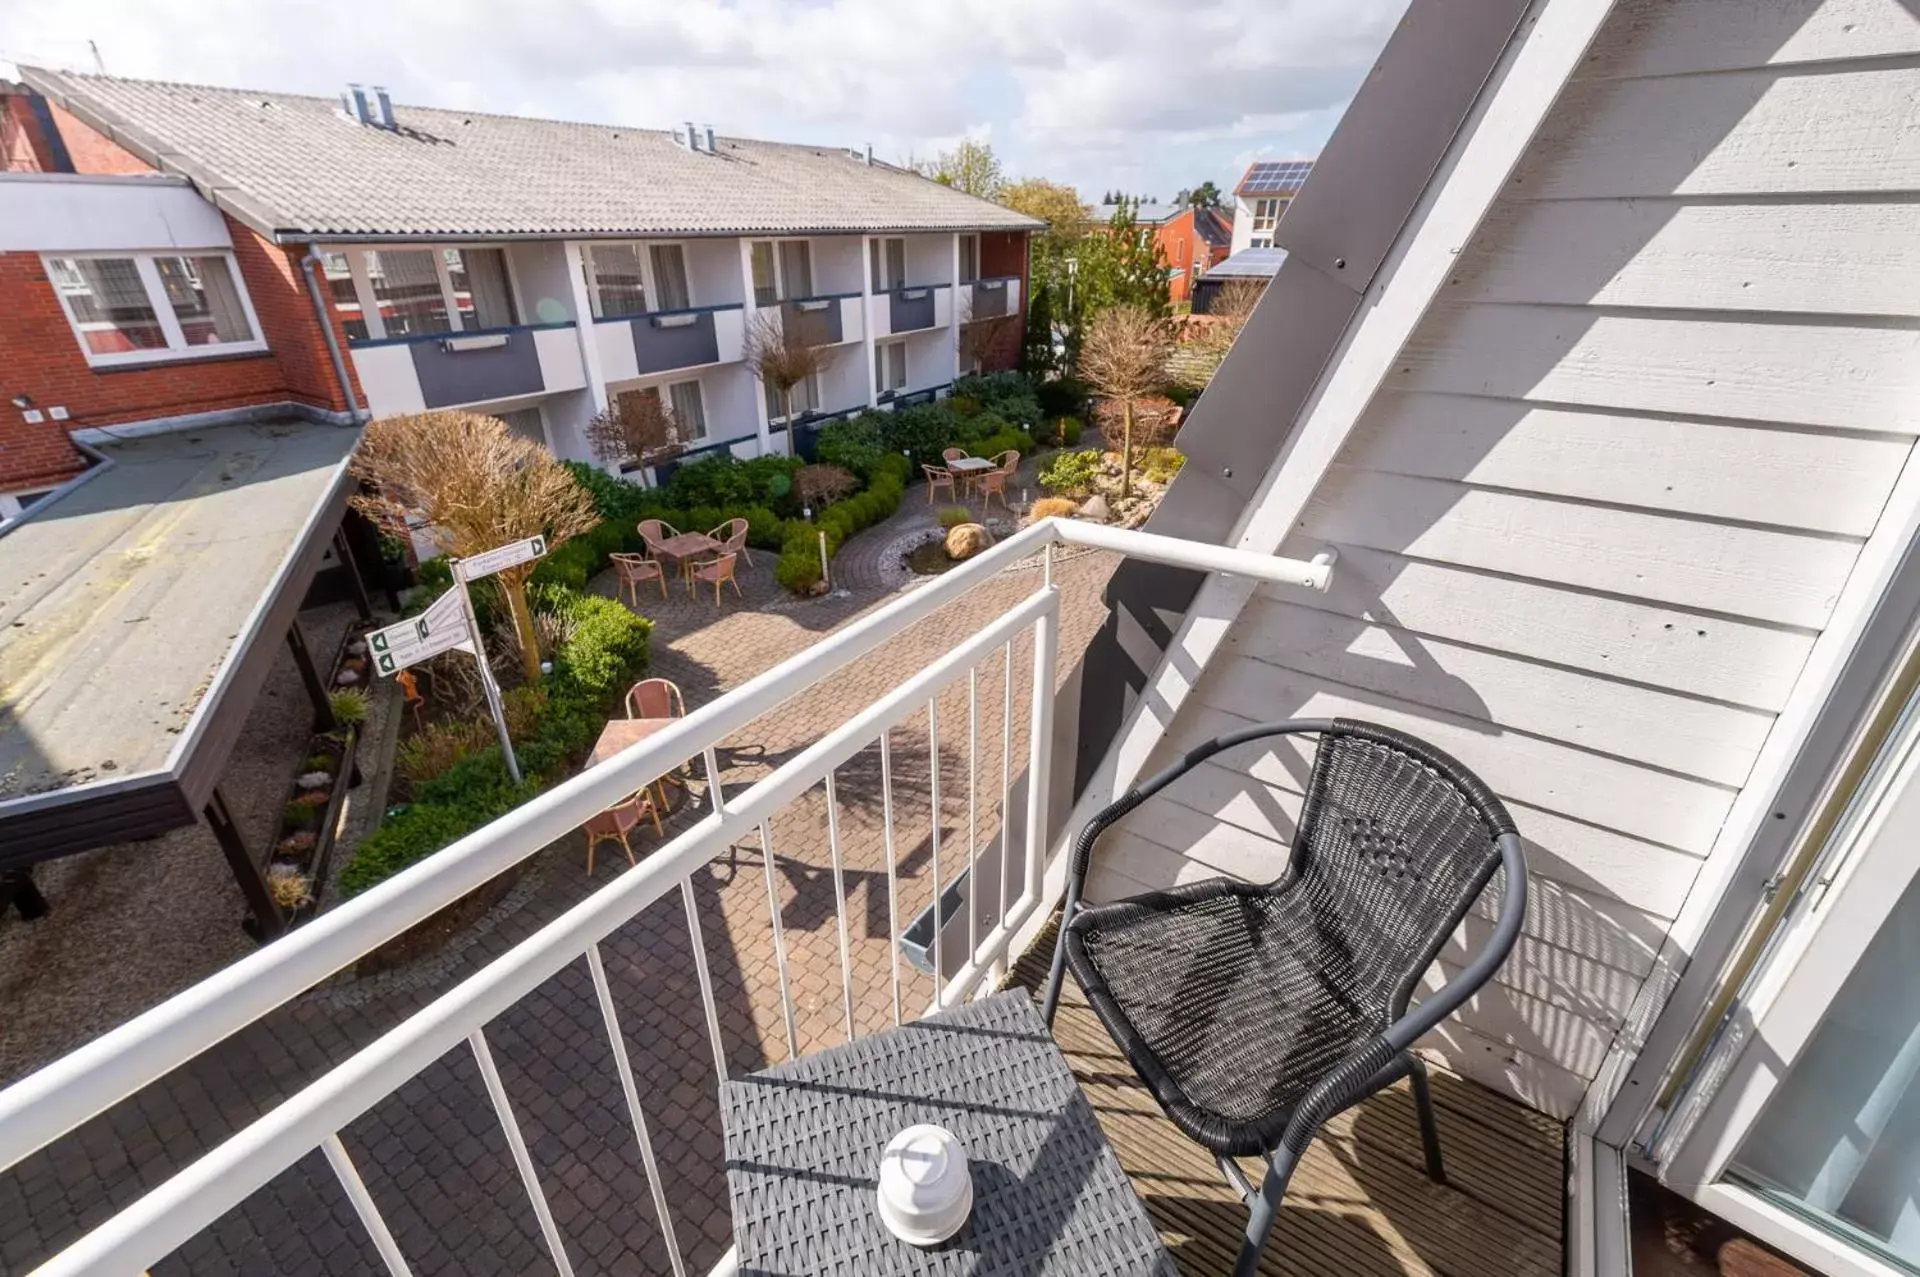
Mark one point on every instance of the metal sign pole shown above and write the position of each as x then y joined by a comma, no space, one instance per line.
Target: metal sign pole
487,684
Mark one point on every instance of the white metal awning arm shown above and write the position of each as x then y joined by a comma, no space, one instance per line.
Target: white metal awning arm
1151,546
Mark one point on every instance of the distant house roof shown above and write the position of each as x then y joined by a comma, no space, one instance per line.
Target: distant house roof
1274,177
1250,263
1214,225
298,167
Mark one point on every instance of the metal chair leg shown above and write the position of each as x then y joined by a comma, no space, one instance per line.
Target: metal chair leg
1429,1129
1263,1210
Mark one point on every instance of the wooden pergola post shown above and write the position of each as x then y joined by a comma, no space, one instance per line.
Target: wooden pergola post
267,921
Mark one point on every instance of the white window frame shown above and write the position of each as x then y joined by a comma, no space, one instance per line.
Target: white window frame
1265,221
781,293
875,265
665,390
642,250
813,381
882,351
356,256
177,349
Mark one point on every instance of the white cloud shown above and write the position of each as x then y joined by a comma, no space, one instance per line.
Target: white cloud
1143,93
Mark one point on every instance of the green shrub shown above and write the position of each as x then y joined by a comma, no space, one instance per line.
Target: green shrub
613,497
298,816
764,529
853,444
798,569
1008,440
1066,432
434,750
320,763
1071,472
952,516
1161,464
1062,396
921,431
553,725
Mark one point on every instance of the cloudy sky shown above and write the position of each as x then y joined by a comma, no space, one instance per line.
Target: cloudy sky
1145,95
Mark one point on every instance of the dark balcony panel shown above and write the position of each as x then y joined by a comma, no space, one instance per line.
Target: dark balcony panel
492,366
911,308
990,299
817,321
684,339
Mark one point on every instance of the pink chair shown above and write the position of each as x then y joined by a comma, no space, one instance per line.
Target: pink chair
617,821
631,569
655,531
732,536
993,483
718,572
656,698
938,478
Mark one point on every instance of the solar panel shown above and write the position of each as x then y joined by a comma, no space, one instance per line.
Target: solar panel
1275,177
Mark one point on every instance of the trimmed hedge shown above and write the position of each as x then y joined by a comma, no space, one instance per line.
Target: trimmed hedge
592,670
798,568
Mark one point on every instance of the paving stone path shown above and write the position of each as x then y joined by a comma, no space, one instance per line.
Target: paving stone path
433,1155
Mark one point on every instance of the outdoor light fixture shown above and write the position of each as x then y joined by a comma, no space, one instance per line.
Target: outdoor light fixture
23,402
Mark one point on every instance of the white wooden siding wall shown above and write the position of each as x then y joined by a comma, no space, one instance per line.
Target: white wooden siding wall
1603,507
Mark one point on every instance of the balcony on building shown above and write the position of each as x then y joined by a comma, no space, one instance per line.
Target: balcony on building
912,278
432,326
664,306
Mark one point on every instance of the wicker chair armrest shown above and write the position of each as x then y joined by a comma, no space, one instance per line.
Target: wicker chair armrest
1452,995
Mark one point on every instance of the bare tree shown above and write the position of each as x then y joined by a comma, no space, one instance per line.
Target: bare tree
983,337
778,354
1123,358
636,426
478,485
1206,339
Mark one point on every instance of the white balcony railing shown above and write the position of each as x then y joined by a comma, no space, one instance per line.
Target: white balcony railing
52,1102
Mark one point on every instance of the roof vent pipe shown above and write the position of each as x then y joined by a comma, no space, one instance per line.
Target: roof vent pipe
869,152
711,148
354,103
693,138
382,108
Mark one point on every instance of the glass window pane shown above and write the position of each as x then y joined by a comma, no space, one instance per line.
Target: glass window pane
688,409
765,293
670,276
109,303
796,268
896,263
480,288
618,287
1840,1136
406,287
346,301
204,300
969,258
898,354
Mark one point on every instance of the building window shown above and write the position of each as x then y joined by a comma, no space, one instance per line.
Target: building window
1266,214
782,270
407,293
890,367
13,504
481,292
525,422
803,398
688,409
889,264
137,308
413,292
615,280
969,258
345,295
669,262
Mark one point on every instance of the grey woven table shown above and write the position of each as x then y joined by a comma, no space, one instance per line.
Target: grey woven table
804,1141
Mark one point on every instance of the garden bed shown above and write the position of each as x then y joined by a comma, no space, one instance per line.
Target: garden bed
297,864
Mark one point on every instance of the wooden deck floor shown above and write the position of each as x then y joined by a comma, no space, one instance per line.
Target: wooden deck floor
1360,1204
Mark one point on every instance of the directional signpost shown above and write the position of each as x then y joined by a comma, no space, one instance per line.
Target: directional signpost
450,623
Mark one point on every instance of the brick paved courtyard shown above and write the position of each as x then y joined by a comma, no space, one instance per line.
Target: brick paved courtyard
432,1154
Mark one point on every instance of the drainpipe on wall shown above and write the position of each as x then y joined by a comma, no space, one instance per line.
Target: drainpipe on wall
307,263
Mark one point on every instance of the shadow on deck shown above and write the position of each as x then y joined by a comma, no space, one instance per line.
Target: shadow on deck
1360,1203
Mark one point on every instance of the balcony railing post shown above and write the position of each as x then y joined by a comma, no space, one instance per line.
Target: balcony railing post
1046,655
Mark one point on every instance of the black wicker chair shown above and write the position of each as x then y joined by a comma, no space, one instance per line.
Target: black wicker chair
1257,1012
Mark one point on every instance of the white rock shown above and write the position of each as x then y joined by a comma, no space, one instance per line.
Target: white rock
313,780
1095,507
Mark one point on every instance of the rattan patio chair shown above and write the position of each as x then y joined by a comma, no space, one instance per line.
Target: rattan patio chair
1256,1012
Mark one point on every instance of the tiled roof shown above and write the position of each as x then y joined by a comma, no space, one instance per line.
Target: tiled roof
1213,225
300,166
1144,213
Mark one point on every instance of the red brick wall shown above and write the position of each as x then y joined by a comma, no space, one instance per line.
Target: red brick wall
41,357
1004,253
23,148
94,152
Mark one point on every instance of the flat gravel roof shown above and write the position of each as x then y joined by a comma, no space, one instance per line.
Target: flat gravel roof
125,602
